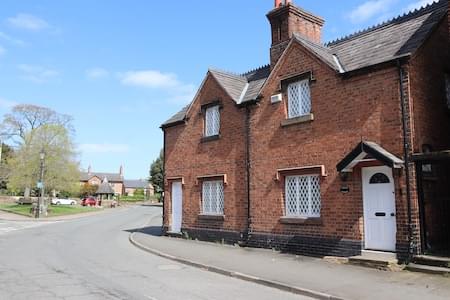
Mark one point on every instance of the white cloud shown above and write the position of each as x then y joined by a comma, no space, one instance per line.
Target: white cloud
11,40
96,73
149,78
2,51
37,74
5,103
177,91
419,4
370,9
27,22
104,148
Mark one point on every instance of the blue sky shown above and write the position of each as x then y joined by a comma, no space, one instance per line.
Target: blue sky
121,68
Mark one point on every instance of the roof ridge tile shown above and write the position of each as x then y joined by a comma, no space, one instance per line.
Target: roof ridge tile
402,17
225,72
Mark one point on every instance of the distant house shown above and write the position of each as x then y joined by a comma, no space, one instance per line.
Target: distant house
115,180
130,187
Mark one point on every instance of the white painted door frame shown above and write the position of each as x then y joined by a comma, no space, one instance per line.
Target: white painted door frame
380,224
177,206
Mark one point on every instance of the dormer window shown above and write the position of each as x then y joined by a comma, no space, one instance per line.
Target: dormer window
212,121
299,99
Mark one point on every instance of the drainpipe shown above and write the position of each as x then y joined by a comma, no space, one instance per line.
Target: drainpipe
406,149
247,169
163,193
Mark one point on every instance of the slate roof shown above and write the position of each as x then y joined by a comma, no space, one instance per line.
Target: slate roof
105,189
385,42
401,36
240,87
136,184
111,177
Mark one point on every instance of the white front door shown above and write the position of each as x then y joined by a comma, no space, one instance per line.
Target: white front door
379,208
177,206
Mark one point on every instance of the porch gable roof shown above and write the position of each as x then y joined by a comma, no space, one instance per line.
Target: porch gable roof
368,148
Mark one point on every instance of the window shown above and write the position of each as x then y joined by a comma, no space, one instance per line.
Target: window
212,121
379,178
299,99
447,89
303,196
212,197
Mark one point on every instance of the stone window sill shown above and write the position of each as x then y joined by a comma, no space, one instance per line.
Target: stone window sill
211,217
206,139
300,221
297,120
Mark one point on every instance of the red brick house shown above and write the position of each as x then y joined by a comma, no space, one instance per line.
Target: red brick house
331,149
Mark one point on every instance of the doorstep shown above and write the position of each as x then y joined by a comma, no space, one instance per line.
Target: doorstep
173,234
386,261
430,265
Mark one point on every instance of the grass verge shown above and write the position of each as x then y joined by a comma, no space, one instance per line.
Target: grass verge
55,210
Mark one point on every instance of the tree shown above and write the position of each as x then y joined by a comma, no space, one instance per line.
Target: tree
34,128
157,173
139,192
88,190
7,153
60,164
25,118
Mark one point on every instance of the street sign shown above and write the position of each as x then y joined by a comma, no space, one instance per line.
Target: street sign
40,185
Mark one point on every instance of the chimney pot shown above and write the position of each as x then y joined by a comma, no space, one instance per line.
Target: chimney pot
279,3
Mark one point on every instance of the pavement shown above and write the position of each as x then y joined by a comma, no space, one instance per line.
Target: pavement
92,258
308,276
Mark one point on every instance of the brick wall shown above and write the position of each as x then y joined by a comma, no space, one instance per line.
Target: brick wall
188,157
362,106
345,111
430,111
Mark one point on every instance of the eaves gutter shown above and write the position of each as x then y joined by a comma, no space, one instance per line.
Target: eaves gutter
165,126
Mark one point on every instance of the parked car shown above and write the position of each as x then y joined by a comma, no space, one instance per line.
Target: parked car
58,201
89,201
23,201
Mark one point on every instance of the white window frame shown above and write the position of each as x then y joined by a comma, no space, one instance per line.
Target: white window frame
213,200
212,121
298,197
299,98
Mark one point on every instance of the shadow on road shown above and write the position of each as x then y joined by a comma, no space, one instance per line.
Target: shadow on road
150,230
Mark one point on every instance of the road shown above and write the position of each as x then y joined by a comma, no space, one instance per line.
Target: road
91,258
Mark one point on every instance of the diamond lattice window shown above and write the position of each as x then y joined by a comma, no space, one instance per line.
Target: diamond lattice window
303,196
212,121
299,99
212,197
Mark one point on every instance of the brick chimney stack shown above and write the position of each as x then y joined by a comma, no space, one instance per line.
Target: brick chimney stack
285,20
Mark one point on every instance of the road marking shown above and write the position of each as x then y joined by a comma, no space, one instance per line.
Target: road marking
9,226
